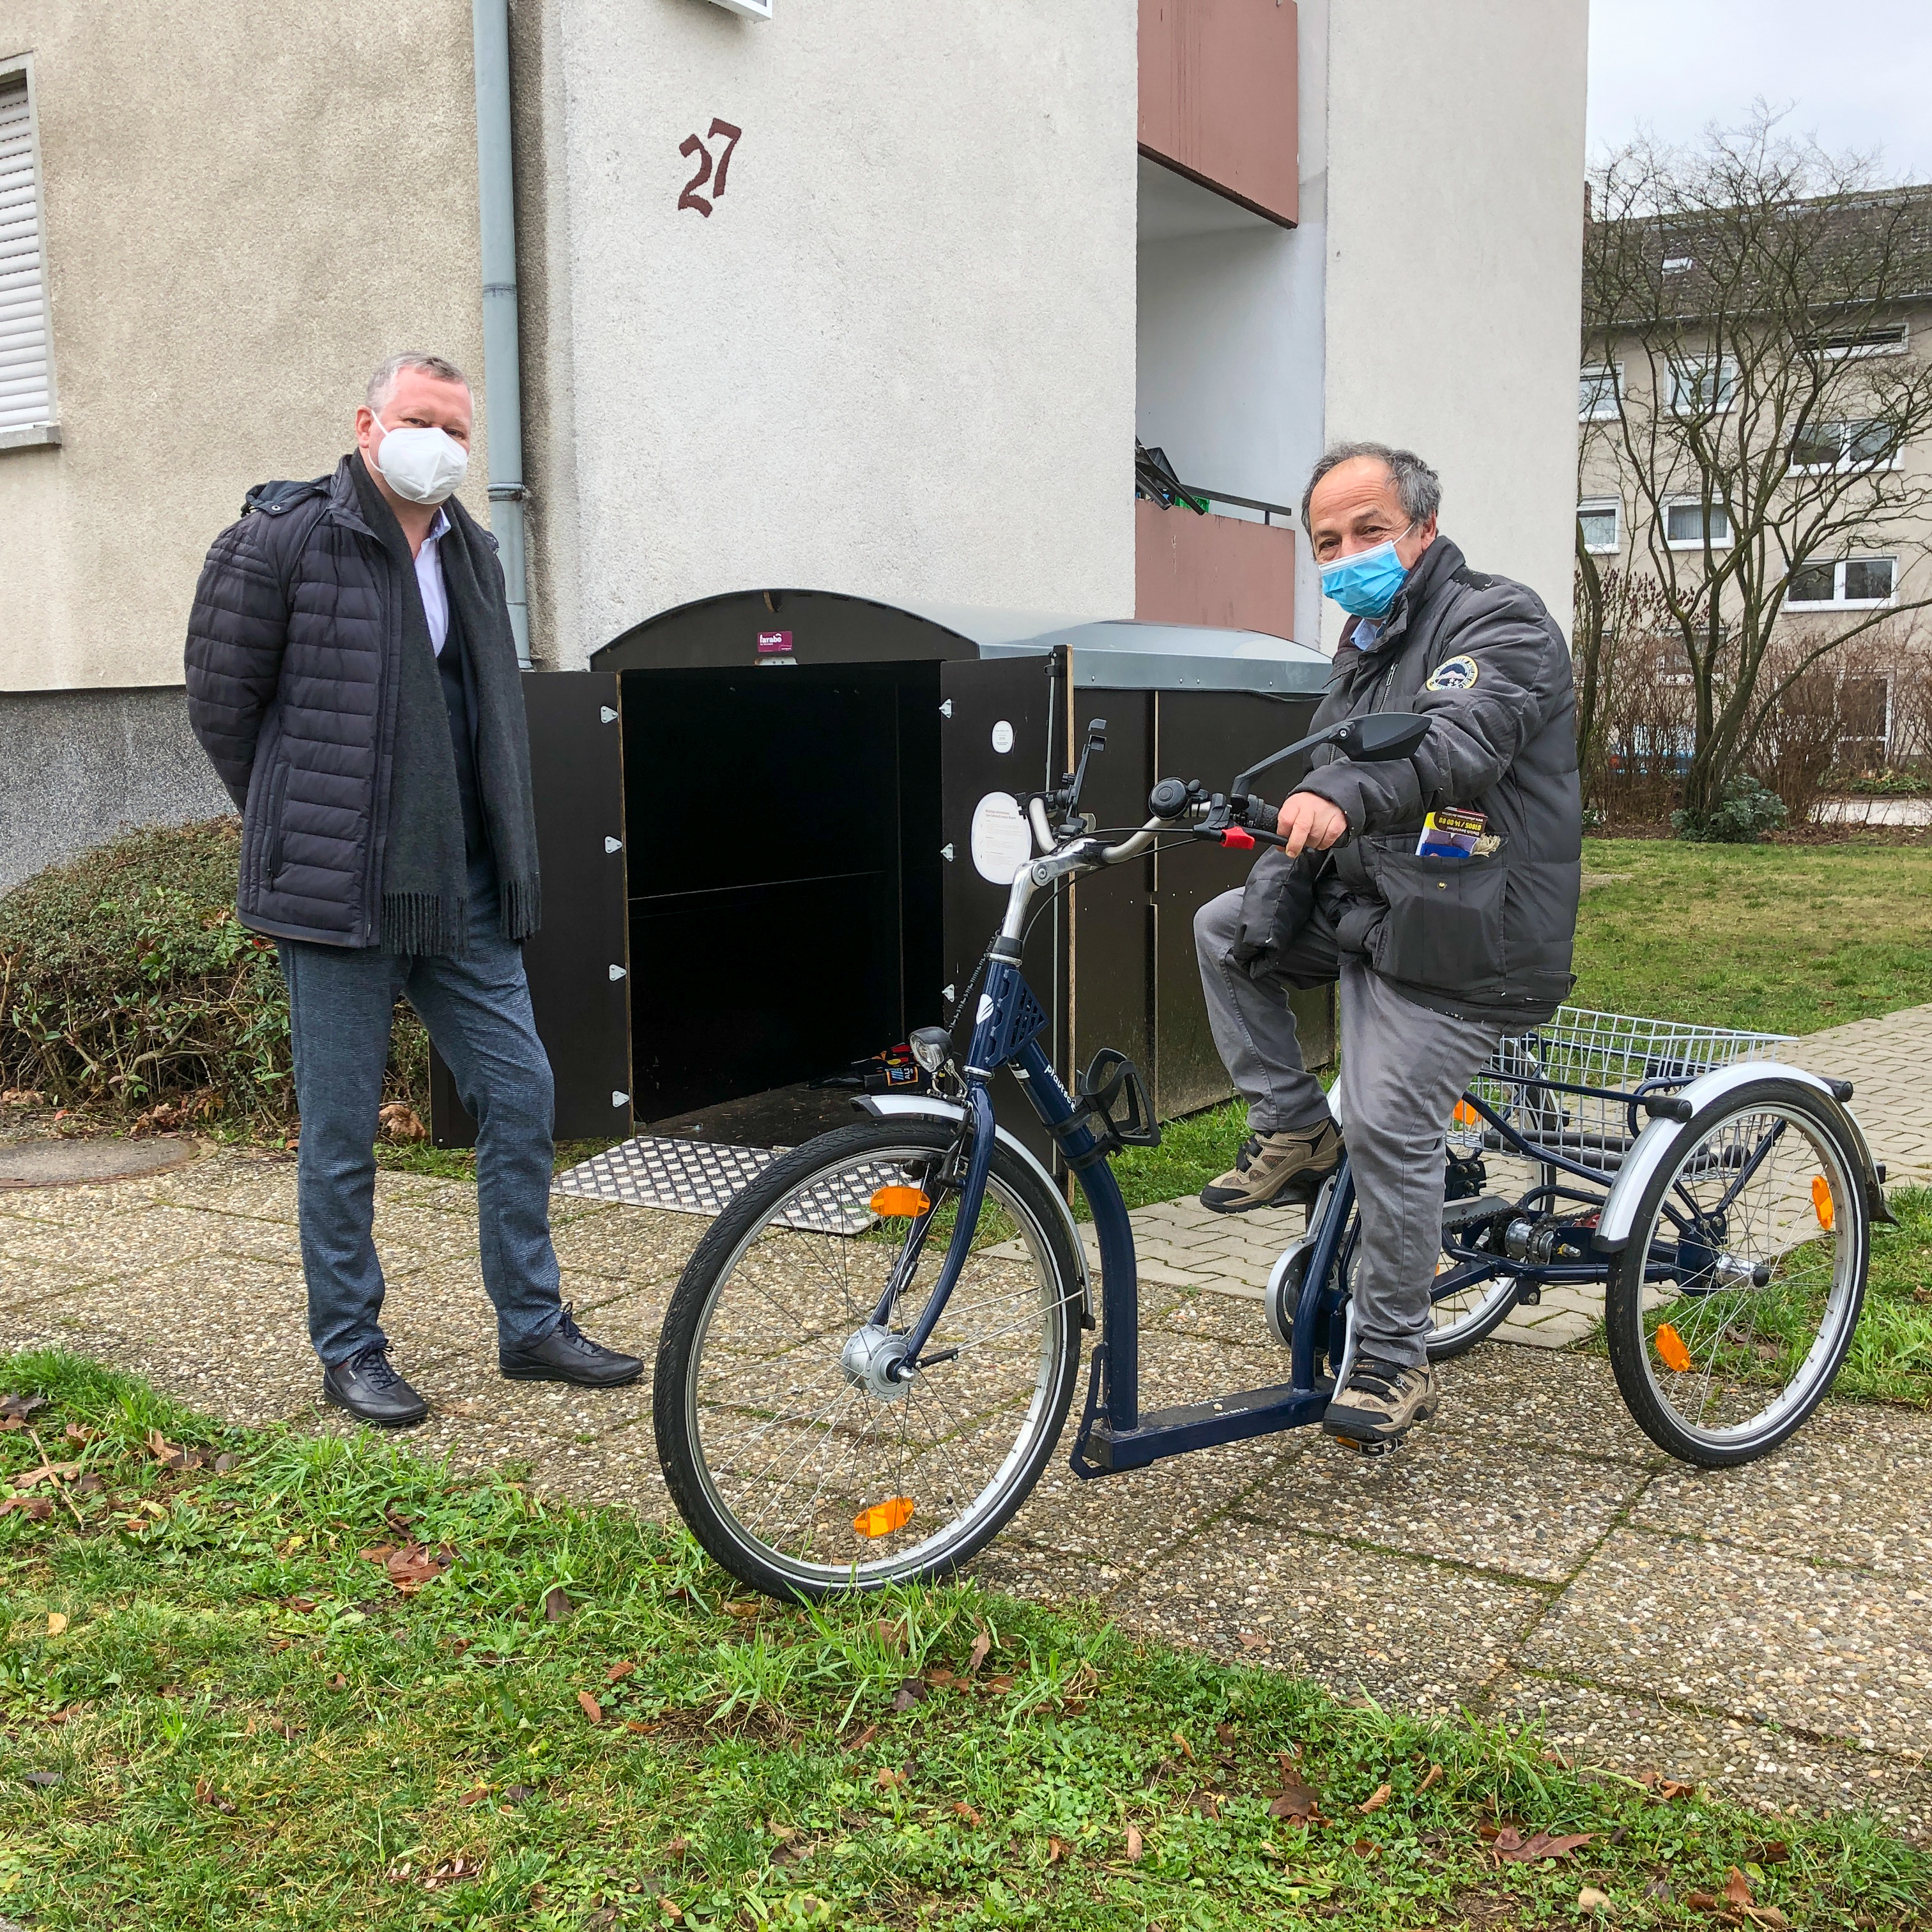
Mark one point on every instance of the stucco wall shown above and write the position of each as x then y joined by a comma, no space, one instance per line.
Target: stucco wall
1454,216
896,358
245,211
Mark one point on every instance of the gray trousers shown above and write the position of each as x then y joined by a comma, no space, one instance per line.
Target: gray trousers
1403,1069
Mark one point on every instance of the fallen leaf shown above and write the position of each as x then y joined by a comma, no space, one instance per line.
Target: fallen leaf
555,1604
1225,1733
1135,1847
1590,1899
56,1623
892,1634
999,1685
911,1691
377,1553
676,1849
338,1682
1056,1850
592,1708
518,1794
963,1809
44,1777
18,1408
80,1437
1509,1843
87,1483
1365,1848
863,1738
1774,1851
941,1679
47,1472
36,1509
204,1793
1737,1888
634,1724
1702,1901
1378,1799
1435,1777
412,1566
982,1643
226,1461
1248,1640
674,1913
743,1606
1187,1750
618,1671
889,1779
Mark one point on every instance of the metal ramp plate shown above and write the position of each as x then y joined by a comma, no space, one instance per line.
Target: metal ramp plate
701,1177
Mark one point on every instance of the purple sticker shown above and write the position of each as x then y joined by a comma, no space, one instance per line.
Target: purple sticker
773,640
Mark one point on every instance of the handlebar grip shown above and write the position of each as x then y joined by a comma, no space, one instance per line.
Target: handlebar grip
1262,815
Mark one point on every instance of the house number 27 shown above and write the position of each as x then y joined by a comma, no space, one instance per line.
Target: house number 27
693,145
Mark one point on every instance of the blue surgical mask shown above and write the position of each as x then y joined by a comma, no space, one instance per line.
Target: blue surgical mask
1365,585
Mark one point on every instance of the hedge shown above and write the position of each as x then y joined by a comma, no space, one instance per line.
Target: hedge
128,987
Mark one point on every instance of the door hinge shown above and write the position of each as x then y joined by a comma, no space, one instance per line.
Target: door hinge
946,709
619,1099
613,844
618,972
606,716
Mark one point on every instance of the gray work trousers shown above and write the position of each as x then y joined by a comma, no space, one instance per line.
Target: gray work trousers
1403,1069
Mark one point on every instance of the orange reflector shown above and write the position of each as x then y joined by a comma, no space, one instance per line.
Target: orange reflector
1821,1201
1670,1347
1466,1115
899,1202
895,1513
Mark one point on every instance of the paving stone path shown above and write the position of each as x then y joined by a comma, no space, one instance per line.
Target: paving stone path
1528,1554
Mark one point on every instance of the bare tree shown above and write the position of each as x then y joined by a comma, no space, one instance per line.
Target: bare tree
1738,301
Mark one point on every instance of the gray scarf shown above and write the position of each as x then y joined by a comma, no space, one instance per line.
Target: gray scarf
425,869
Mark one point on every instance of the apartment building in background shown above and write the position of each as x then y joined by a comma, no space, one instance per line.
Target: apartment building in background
875,299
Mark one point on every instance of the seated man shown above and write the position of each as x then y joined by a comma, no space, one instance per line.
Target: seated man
1438,957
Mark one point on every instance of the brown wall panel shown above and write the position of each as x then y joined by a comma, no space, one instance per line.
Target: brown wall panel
1223,571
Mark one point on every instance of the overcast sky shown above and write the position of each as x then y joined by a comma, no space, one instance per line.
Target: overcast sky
1857,76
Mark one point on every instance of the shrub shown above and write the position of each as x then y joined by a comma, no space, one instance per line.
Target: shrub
1746,810
127,986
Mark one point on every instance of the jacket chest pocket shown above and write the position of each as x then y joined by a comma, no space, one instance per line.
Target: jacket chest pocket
1444,923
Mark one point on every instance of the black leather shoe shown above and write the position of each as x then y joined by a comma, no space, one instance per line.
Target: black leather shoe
372,1391
567,1354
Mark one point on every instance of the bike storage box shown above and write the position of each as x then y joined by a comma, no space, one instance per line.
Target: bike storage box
776,833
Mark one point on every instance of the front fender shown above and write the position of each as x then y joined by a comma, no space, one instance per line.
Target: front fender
896,1106
1658,1141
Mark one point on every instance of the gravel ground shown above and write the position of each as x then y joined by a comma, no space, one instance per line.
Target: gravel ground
1528,1554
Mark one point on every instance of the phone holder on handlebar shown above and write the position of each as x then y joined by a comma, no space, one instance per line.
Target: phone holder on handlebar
1066,799
1113,1105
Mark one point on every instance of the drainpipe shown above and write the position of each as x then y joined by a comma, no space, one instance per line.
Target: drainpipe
502,374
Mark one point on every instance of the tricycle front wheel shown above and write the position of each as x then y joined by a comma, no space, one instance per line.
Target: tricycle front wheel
800,1460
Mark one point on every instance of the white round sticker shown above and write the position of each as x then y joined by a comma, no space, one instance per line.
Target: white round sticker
1001,842
1003,737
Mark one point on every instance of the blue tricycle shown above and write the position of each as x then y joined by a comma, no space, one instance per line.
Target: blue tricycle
872,1353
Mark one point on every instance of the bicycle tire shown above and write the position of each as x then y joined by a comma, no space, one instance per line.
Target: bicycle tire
686,1451
1796,1258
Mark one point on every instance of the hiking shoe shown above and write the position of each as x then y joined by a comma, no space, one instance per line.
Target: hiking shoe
372,1391
1382,1401
1277,1168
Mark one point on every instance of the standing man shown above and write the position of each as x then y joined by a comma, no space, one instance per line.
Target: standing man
1438,957
351,674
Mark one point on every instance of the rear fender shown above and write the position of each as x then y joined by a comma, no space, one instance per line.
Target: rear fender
1657,1143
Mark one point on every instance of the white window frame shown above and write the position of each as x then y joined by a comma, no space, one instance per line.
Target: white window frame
1838,601
1679,264
27,436
1694,543
1596,506
1690,367
1886,343
1607,404
1846,465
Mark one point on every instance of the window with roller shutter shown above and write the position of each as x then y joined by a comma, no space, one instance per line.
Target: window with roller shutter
26,361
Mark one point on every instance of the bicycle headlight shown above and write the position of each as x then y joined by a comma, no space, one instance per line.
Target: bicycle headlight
931,1047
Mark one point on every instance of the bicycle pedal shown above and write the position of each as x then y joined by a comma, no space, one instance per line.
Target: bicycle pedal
1386,1447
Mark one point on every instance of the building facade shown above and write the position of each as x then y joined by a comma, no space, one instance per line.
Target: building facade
874,299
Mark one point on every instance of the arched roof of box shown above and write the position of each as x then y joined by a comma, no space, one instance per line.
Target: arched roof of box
748,627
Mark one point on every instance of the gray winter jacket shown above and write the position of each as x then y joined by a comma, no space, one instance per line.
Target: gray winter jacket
1485,938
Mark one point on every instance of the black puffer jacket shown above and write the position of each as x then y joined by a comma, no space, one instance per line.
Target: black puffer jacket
291,689
1489,938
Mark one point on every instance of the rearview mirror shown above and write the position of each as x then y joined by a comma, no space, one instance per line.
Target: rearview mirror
1382,734
1379,734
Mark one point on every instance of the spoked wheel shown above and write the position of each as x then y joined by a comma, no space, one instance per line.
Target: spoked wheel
798,1460
1734,1305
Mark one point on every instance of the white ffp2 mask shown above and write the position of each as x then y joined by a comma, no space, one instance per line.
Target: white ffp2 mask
424,465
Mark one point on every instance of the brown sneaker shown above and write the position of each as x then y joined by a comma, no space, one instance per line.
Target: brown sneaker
1382,1402
1277,1168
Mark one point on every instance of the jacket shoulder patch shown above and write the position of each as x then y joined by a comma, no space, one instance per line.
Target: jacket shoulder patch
1454,674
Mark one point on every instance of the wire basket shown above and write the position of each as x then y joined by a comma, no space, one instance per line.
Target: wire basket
1528,1077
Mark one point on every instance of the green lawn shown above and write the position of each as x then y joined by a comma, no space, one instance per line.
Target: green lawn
261,1681
1786,938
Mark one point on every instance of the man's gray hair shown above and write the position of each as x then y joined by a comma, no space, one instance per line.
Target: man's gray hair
1417,487
382,384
